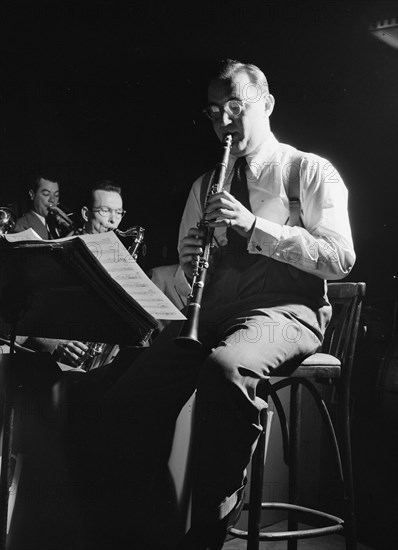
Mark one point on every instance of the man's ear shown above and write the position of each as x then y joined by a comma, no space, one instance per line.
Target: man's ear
84,213
31,194
269,104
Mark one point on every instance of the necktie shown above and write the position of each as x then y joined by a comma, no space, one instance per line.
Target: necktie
239,190
51,228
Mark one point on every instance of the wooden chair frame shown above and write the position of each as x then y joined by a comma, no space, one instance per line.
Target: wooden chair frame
333,365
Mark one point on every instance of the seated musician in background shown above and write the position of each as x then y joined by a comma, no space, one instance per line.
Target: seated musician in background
102,212
264,304
44,195
103,208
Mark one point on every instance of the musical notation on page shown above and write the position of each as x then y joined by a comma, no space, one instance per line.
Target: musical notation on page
116,260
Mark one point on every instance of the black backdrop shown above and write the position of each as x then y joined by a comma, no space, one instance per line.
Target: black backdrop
100,90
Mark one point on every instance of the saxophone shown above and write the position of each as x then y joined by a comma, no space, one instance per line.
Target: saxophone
188,336
136,234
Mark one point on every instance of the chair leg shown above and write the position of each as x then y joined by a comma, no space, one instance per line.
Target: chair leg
349,517
256,487
294,458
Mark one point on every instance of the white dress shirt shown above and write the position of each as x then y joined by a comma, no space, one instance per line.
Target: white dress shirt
323,246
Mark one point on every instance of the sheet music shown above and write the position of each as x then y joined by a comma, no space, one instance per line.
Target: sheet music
27,235
114,257
31,235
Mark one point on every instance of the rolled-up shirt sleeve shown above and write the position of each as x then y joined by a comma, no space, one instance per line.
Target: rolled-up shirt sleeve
323,246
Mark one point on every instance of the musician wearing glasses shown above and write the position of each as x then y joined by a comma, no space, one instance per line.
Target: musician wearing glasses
280,229
104,209
102,212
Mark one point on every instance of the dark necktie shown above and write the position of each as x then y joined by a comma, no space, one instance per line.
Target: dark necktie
239,190
51,228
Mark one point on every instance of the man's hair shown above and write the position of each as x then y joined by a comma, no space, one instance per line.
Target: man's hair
101,185
227,68
46,173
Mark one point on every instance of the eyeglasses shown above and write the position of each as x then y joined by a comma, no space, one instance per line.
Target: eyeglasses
234,108
106,212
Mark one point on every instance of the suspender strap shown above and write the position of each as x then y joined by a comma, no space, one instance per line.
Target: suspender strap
291,181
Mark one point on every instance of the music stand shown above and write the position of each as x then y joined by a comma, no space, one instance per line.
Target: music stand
46,291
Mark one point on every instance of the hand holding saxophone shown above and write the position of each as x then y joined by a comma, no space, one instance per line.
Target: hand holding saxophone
71,352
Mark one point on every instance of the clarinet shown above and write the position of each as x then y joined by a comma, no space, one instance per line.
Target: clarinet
188,336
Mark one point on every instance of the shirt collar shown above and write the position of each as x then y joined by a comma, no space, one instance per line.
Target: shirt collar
257,159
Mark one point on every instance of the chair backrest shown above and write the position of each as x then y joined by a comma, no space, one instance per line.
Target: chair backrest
341,334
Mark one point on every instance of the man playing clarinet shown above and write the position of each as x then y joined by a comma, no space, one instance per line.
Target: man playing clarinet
281,229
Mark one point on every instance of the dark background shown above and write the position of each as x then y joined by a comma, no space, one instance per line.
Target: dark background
99,90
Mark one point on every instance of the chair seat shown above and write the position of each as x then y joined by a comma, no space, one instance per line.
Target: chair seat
318,365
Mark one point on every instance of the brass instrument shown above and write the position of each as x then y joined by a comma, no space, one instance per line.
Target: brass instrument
64,225
8,220
188,336
92,358
137,234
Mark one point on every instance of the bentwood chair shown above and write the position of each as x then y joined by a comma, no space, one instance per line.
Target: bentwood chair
332,365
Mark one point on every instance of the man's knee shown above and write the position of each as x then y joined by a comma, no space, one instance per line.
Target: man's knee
220,368
223,372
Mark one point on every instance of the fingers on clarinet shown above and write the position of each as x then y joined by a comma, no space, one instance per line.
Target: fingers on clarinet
195,232
189,243
188,259
193,257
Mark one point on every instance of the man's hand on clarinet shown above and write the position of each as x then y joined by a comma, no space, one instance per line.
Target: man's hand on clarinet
223,210
191,246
